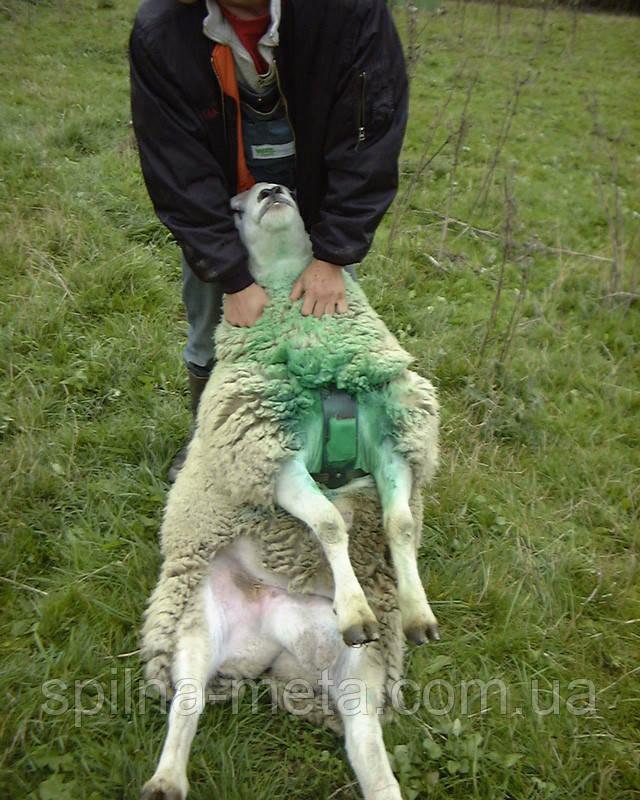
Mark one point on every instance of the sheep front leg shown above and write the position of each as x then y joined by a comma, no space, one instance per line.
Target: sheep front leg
297,493
394,481
191,669
357,690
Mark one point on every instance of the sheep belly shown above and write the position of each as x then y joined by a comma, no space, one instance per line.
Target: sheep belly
255,626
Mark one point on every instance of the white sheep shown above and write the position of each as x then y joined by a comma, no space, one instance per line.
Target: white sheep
244,590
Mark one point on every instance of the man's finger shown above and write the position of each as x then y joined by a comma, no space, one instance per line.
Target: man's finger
329,308
308,304
296,292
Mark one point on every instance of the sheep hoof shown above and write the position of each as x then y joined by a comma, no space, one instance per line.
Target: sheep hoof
421,634
360,634
160,789
433,632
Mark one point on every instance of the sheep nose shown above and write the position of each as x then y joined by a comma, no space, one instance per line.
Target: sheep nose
271,192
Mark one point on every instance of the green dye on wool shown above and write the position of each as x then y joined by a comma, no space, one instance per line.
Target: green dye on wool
353,352
299,358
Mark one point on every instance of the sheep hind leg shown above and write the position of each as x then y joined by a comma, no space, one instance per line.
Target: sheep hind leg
298,493
357,688
394,480
191,669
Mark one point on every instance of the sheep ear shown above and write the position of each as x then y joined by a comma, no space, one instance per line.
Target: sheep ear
239,202
238,205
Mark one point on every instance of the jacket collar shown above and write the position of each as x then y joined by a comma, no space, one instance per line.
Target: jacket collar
217,28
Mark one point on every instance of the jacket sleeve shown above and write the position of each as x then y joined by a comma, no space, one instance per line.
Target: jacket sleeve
186,183
364,139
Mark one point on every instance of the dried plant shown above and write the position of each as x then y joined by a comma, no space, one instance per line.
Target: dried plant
507,253
462,128
510,112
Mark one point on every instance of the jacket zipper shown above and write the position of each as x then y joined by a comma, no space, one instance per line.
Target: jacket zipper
362,135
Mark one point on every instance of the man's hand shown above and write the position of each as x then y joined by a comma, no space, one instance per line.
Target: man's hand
322,285
244,308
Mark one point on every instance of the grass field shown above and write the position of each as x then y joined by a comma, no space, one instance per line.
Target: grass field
509,267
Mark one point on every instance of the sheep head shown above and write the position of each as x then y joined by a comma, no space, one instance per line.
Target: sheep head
272,230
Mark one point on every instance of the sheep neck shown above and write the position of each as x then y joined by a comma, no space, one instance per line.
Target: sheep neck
280,262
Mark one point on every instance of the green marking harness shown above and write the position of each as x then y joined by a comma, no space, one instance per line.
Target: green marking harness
339,439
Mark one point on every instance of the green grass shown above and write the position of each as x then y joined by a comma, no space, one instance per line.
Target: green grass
532,525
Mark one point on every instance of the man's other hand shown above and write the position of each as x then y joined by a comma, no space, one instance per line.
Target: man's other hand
322,285
244,308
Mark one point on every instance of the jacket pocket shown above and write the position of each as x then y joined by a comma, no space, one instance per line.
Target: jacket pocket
374,104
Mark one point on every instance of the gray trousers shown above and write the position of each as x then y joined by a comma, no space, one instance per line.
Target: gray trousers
203,302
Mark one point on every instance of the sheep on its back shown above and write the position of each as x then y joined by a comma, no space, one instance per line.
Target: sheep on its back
244,592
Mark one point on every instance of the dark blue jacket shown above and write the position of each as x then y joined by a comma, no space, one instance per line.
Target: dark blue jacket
341,71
